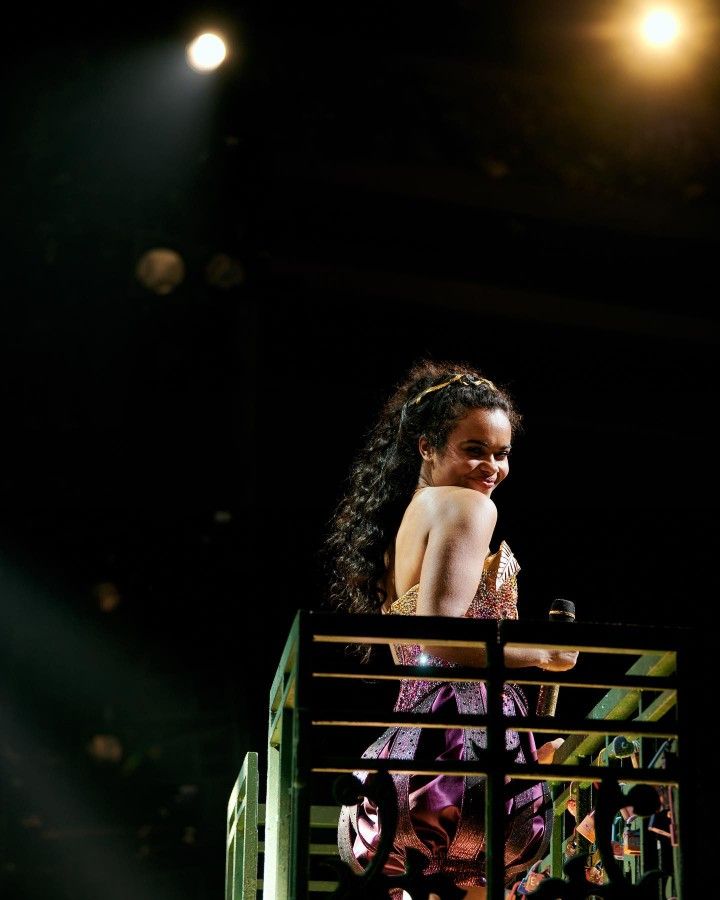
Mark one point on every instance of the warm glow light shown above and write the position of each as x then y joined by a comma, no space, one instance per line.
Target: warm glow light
206,52
660,28
160,270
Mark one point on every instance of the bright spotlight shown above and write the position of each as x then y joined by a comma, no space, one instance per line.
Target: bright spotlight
660,28
206,52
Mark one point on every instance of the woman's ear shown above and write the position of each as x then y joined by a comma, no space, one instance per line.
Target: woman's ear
425,448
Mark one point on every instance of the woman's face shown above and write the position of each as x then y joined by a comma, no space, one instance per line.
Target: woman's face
475,456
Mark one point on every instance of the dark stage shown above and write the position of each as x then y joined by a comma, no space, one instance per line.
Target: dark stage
357,188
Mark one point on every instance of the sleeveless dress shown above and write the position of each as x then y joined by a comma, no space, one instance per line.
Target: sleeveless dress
443,817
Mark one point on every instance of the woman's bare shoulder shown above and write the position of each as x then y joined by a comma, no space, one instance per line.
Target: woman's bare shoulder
458,503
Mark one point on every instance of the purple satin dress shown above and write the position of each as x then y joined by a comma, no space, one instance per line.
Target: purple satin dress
443,817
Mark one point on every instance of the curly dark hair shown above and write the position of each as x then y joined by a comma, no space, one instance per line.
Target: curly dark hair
386,471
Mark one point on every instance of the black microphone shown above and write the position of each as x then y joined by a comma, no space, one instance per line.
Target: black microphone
560,611
620,747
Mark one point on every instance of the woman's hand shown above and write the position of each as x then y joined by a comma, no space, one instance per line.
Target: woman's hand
546,753
559,660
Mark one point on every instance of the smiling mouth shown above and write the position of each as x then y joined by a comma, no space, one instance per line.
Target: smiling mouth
490,482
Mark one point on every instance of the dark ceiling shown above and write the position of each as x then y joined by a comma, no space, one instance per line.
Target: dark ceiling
504,184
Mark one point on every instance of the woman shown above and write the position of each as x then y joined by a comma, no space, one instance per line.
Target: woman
413,537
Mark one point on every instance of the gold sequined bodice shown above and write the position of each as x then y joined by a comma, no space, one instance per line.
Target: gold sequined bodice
496,596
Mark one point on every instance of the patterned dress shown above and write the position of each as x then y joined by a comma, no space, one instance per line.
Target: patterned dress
443,817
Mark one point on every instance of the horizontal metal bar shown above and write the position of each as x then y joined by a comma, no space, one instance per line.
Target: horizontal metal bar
320,816
324,849
573,642
315,849
550,725
621,682
419,636
324,816
465,674
315,887
392,672
629,728
468,768
373,628
595,638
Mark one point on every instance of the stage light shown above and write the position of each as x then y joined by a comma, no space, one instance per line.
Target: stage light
160,270
107,596
660,28
224,272
663,43
206,52
105,748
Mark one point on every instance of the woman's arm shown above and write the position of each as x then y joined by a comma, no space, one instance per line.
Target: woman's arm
463,522
515,657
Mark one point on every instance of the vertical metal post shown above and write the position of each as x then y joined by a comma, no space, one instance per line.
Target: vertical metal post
680,876
230,846
583,807
278,803
299,780
279,813
687,760
273,850
242,841
495,782
557,837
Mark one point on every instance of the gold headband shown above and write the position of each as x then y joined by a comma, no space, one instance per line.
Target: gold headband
456,377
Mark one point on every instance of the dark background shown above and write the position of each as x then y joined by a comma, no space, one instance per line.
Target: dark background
512,185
